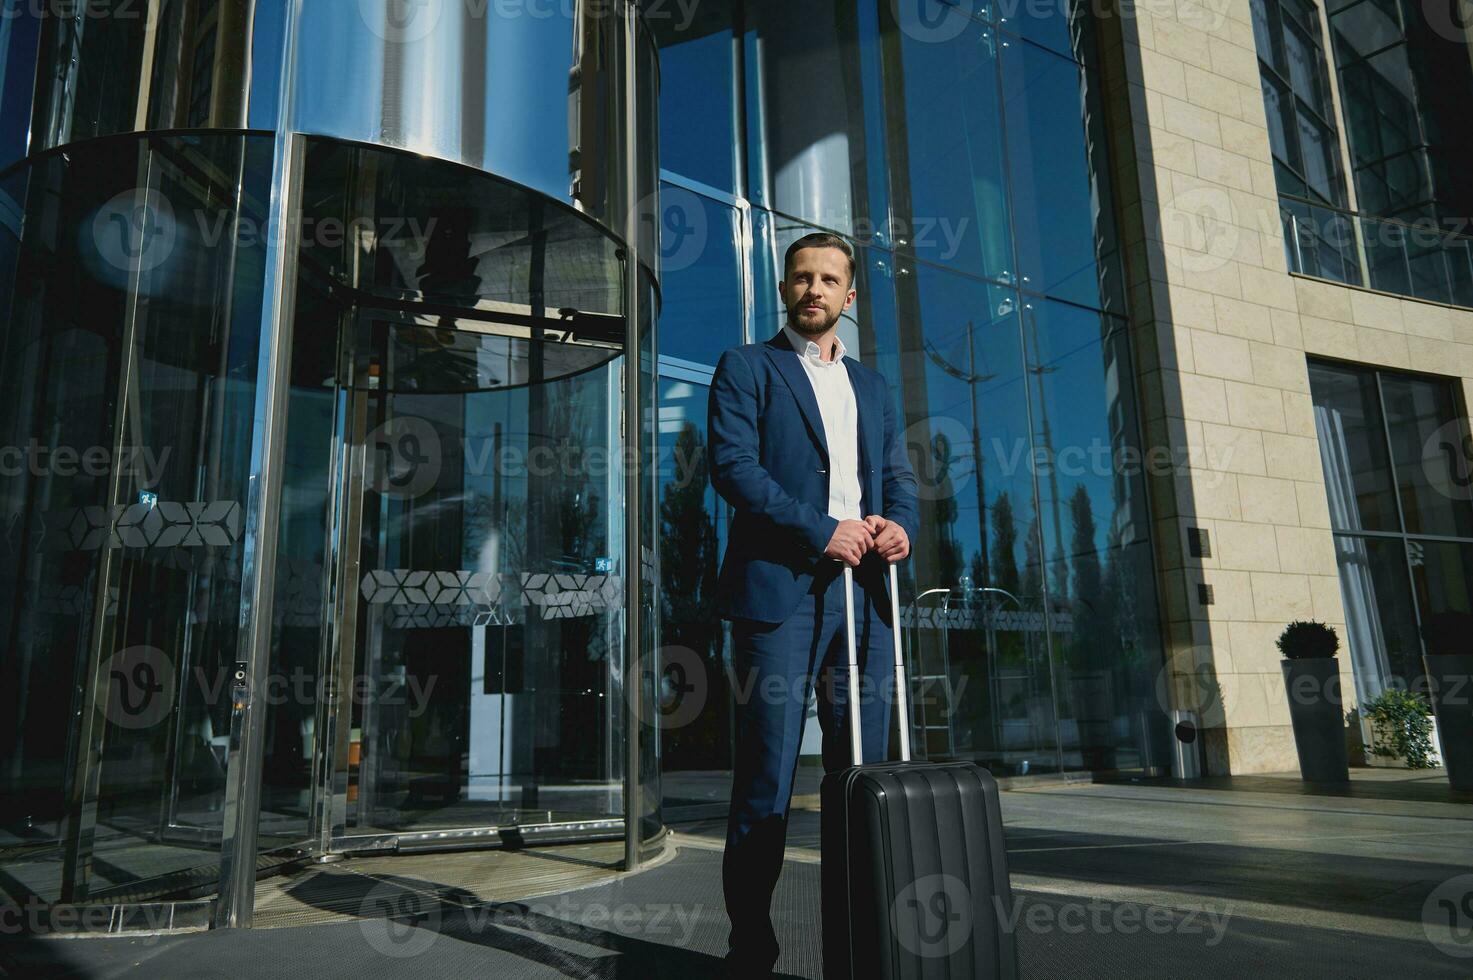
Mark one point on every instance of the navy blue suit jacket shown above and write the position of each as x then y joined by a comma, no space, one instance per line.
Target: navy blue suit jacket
770,462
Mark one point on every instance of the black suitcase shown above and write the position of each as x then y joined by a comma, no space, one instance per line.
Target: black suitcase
915,878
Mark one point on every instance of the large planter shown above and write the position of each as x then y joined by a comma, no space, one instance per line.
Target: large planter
1450,678
1316,710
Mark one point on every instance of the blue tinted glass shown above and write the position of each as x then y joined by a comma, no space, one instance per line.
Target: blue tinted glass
701,313
954,171
805,102
697,96
1044,22
1084,424
268,32
19,28
1055,200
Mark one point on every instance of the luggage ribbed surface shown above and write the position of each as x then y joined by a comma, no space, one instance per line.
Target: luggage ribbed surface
915,874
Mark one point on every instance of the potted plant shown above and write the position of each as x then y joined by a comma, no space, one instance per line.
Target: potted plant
1312,683
1449,665
1399,725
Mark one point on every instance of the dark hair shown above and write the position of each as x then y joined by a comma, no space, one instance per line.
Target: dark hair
819,239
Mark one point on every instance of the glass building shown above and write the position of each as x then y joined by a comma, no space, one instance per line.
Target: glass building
356,358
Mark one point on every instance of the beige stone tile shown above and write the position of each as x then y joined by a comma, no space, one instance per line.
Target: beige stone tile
1329,606
1268,500
1324,300
1247,547
1221,356
1231,449
1433,356
1191,307
1202,398
1281,597
1163,73
1307,550
1280,367
1269,288
1331,338
1263,748
1183,41
1211,91
1243,701
1222,167
1382,347
1314,505
1254,407
1375,310
1207,495
1249,139
1234,63
1427,320
1254,649
1232,594
1243,319
1287,331
1191,121
1299,414
1292,457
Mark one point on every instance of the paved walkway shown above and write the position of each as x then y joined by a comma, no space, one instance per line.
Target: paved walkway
1231,878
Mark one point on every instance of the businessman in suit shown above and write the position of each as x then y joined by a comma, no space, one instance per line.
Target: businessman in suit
805,448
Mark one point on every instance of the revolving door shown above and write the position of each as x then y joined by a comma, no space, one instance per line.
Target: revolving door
453,505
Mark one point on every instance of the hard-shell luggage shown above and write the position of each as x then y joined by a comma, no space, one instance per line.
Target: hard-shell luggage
915,878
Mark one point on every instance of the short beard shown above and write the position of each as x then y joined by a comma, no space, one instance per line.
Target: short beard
809,331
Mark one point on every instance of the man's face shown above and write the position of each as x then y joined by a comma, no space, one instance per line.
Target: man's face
817,289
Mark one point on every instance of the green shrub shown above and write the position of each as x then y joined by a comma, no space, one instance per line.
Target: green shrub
1308,640
1401,725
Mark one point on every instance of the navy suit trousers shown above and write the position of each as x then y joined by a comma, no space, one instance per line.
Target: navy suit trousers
776,666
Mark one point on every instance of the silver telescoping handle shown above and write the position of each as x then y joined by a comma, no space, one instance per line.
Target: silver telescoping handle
901,694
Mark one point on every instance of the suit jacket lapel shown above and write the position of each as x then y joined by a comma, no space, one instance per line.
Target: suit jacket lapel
786,359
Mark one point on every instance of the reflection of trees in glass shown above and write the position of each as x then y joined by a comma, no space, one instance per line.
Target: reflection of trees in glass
688,602
1005,539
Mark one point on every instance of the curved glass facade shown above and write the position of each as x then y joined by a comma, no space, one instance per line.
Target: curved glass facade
331,333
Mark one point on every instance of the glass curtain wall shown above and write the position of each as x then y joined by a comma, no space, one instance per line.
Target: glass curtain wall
1395,452
963,156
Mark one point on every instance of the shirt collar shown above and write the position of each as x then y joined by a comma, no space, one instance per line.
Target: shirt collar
808,348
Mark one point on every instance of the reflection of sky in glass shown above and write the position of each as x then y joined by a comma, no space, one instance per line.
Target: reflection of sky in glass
696,110
1053,194
1074,398
354,84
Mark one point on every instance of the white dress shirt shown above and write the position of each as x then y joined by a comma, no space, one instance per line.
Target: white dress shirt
840,412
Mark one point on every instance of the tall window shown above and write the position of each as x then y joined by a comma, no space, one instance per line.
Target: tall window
1397,472
1319,238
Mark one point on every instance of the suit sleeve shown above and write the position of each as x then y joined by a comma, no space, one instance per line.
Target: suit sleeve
899,485
736,470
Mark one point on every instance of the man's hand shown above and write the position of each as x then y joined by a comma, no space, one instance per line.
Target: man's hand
850,541
890,539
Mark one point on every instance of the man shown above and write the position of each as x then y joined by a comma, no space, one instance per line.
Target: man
805,447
